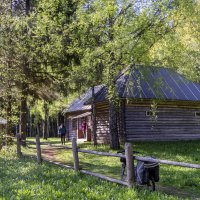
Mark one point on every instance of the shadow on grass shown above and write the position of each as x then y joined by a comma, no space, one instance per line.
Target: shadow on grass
23,177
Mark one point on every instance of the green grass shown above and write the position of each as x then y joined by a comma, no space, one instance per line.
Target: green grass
180,177
23,179
171,176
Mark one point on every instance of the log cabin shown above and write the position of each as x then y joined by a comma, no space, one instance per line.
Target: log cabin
77,113
156,104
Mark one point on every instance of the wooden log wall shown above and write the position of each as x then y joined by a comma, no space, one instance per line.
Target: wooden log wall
71,133
102,117
174,122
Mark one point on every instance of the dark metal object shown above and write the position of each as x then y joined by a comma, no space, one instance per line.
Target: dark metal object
151,172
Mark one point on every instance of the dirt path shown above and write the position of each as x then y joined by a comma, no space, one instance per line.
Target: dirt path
49,153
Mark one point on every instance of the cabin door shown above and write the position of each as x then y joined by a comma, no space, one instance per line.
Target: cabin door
84,130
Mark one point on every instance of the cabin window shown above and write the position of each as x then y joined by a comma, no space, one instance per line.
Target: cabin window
153,115
149,113
197,114
74,124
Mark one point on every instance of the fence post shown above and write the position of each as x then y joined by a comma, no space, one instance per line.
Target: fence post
75,154
39,157
19,153
129,164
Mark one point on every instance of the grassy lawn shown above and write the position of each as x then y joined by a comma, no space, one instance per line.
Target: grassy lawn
171,176
24,179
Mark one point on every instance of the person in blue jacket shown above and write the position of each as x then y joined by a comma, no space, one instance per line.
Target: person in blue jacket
62,131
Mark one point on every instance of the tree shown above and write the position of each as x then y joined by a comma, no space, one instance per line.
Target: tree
113,34
180,48
18,70
9,74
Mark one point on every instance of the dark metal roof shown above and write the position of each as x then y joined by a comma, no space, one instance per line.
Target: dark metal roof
154,83
79,103
85,114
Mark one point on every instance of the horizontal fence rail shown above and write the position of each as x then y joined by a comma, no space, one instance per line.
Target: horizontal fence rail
101,153
168,162
113,180
140,158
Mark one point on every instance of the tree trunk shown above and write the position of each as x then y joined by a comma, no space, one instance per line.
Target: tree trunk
50,127
38,129
67,127
113,112
113,127
58,121
55,128
94,123
31,125
9,114
121,122
28,122
46,122
23,115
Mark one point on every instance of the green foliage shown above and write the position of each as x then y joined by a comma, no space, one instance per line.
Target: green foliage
180,48
110,35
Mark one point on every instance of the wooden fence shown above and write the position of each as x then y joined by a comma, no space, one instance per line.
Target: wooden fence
129,162
130,158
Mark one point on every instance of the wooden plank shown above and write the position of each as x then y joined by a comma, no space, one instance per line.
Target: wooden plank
75,154
157,130
103,135
104,177
166,134
168,162
152,139
39,155
102,123
160,139
101,153
19,153
129,164
162,133
162,120
183,104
